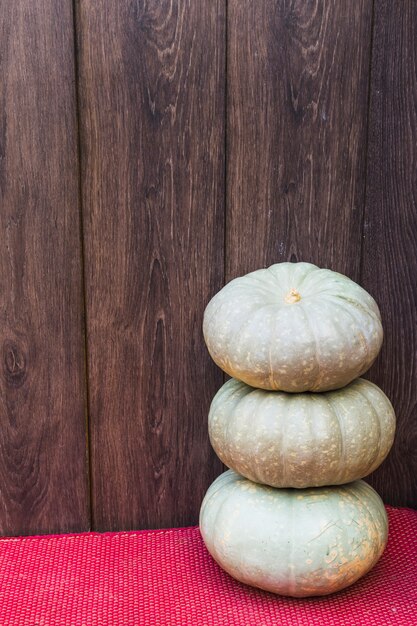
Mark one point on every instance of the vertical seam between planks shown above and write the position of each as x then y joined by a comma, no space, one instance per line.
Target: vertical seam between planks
368,115
75,14
226,156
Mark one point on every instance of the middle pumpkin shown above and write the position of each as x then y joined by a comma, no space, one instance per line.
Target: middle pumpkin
303,439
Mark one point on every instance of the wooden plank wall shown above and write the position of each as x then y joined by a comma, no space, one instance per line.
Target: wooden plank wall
149,152
43,460
298,75
389,259
152,108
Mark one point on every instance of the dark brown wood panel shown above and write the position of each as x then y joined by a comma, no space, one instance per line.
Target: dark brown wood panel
297,113
43,461
390,234
152,78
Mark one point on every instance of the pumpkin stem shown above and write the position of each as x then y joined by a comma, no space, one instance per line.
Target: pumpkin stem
292,296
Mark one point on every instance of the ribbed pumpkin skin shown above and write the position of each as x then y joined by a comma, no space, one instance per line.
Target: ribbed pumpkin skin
302,440
296,543
293,327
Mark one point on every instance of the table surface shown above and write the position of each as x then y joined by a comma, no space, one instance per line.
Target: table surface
167,577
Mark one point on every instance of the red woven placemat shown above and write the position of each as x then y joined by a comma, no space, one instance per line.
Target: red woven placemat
168,578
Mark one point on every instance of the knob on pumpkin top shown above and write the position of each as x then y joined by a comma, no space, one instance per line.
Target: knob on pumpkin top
293,327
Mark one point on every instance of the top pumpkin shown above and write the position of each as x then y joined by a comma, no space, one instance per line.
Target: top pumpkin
293,327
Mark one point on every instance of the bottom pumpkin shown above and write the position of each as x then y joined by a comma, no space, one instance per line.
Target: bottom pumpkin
294,542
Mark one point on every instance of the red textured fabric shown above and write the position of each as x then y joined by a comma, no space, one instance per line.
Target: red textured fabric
167,578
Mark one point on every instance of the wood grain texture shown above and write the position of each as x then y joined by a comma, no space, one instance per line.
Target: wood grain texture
297,113
152,109
43,461
390,234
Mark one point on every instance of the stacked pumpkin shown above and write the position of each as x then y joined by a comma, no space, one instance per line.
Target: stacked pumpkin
298,428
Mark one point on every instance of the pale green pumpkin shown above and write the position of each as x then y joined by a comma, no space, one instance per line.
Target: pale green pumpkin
293,542
293,327
303,439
